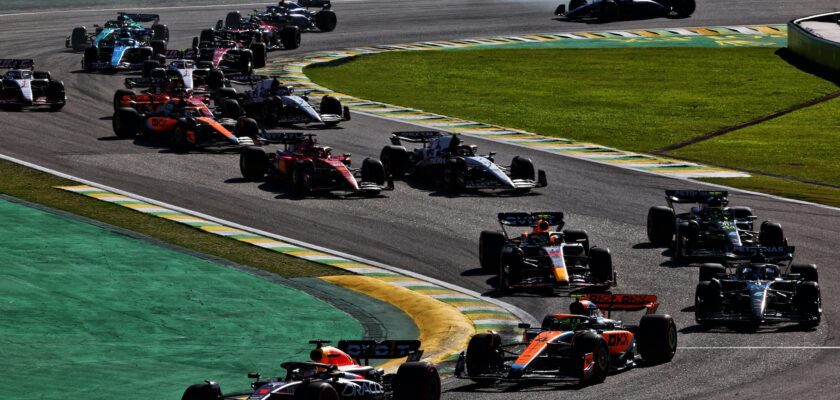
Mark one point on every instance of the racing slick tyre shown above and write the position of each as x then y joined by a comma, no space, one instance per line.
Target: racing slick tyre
682,8
43,75
233,19
661,224
490,244
577,236
158,47
149,66
683,239
160,32
56,95
483,356
772,235
707,300
216,80
126,122
325,20
119,95
203,391
808,272
181,140
259,52
290,37
158,73
145,53
253,163
79,38
206,36
807,301
315,390
246,65
609,11
522,168
657,338
303,177
455,175
222,95
232,109
600,265
591,343
575,4
248,127
373,171
91,56
395,159
417,380
710,270
331,105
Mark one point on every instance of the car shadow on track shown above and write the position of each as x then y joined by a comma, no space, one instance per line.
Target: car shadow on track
285,191
435,190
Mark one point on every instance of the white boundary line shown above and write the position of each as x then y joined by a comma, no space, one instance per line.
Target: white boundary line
744,191
518,312
758,348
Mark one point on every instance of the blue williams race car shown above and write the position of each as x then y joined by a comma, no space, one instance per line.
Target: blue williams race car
444,159
758,292
121,54
125,24
613,10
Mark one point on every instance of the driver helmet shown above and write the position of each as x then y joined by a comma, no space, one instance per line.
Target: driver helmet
750,273
541,226
716,202
278,89
583,307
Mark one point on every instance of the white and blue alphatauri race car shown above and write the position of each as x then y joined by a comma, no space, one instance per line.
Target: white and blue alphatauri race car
22,87
121,54
445,160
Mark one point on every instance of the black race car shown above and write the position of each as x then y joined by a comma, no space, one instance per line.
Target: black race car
21,87
445,159
710,230
612,10
544,258
758,292
337,373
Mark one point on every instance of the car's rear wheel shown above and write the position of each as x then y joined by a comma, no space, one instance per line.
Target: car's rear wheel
233,19
490,244
657,338
417,380
771,234
253,163
126,122
600,265
79,38
660,225
807,301
290,37
707,300
710,270
395,159
483,357
325,20
203,391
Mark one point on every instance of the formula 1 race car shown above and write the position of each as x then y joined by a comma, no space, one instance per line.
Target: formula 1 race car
336,373
444,159
277,31
613,10
311,168
758,292
272,103
22,87
710,230
121,54
221,52
295,14
186,123
582,346
544,258
180,76
125,24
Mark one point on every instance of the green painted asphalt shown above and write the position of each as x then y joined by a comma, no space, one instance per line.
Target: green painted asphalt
88,312
722,41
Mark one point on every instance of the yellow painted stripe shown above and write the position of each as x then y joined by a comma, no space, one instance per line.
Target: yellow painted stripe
103,195
443,330
588,35
429,292
537,37
219,228
259,240
768,30
491,316
399,278
704,31
303,253
350,265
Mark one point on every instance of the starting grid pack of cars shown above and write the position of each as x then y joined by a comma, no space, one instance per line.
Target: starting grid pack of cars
208,97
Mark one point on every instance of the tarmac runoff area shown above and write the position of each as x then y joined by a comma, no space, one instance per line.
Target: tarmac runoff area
91,311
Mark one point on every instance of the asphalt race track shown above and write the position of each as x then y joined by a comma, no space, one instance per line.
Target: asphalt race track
429,232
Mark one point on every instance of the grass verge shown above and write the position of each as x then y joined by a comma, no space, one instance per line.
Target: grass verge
38,187
638,99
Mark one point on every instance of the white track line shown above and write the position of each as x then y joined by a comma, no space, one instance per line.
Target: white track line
759,348
96,10
518,312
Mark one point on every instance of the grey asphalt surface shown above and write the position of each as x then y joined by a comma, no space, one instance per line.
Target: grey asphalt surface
429,232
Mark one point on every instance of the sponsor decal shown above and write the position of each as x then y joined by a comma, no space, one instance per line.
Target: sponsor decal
361,389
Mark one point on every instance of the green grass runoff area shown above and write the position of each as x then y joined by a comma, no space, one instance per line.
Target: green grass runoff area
38,187
637,99
92,313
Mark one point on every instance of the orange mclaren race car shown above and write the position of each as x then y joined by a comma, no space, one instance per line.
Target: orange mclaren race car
582,346
337,373
185,122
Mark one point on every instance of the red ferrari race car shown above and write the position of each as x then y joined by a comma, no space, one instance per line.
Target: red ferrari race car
312,168
337,373
582,346
185,122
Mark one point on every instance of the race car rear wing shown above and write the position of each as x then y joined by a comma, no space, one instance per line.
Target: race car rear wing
315,3
530,219
693,196
414,136
623,302
247,79
141,17
17,63
284,137
386,349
